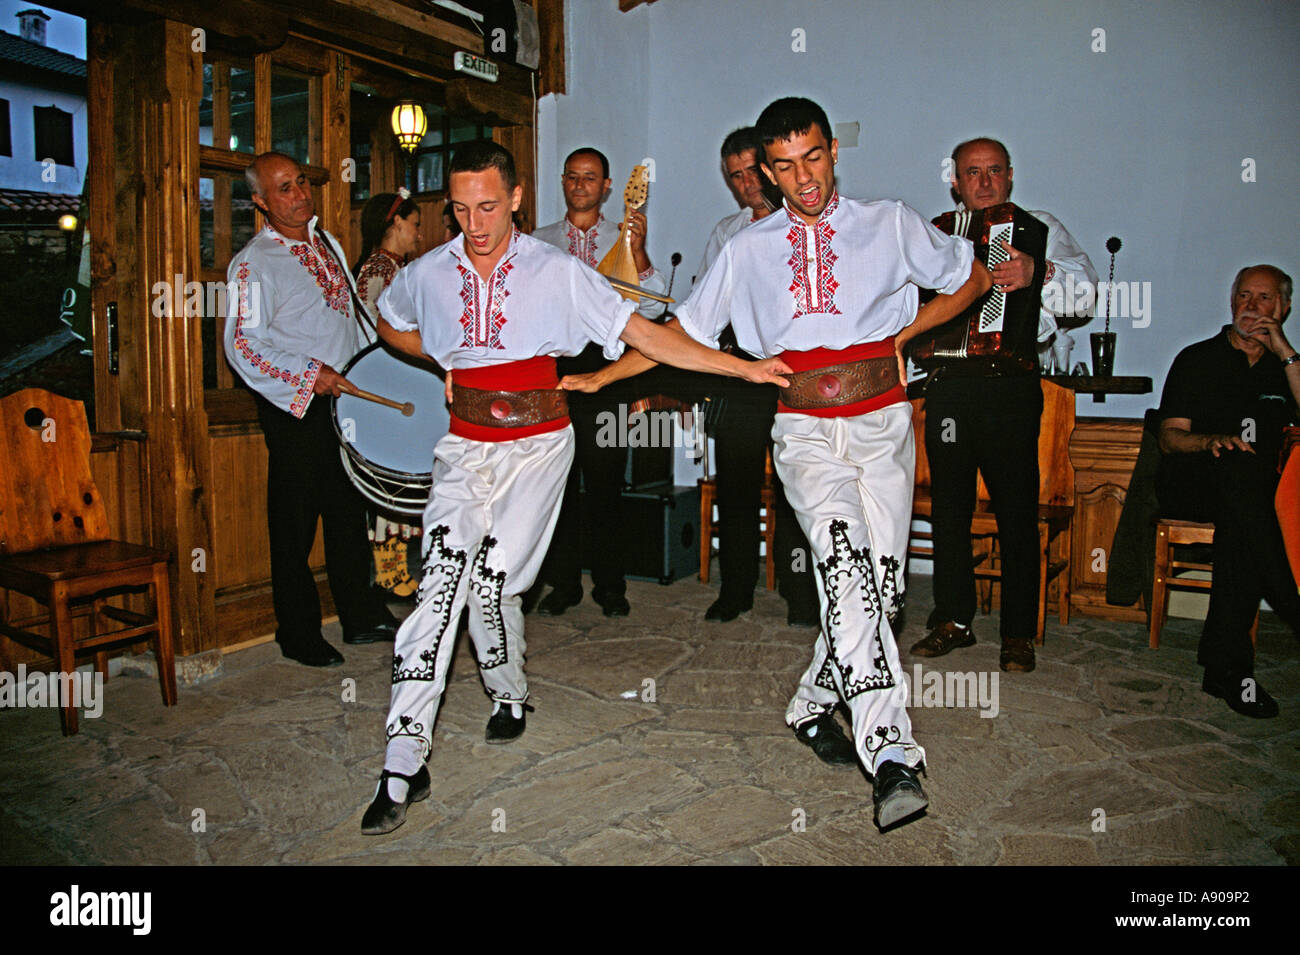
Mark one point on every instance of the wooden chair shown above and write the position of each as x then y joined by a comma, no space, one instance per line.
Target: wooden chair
1170,534
767,520
1055,507
54,544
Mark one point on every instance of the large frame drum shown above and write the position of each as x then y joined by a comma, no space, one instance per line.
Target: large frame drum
389,457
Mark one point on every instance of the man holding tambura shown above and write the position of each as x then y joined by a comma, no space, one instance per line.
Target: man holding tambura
495,306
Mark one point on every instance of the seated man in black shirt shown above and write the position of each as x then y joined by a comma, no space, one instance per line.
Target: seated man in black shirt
1224,406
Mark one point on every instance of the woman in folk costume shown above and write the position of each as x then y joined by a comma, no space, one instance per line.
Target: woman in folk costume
390,237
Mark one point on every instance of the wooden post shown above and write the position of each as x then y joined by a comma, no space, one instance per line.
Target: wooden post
168,349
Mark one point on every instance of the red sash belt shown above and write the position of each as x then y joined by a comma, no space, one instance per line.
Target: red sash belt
531,374
816,358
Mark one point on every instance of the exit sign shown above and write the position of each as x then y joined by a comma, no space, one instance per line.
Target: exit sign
476,66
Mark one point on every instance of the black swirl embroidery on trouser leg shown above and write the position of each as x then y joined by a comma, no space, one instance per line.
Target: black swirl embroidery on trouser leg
837,572
882,737
826,677
486,585
441,562
407,726
890,594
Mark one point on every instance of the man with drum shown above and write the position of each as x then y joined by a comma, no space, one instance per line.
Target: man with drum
985,416
291,324
495,307
584,234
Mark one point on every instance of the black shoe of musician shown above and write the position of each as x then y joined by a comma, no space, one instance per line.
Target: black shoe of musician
383,633
557,601
803,615
729,607
897,795
611,605
312,653
504,726
827,741
531,598
1229,689
385,814
944,638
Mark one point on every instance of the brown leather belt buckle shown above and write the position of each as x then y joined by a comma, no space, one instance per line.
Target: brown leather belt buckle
508,409
841,384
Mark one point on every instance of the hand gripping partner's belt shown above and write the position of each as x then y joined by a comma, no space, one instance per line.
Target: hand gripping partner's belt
508,409
841,384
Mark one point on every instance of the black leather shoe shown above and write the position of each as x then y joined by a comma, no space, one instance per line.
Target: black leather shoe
557,601
1230,690
943,639
797,615
385,815
315,654
829,742
897,794
384,633
727,608
503,727
531,597
611,605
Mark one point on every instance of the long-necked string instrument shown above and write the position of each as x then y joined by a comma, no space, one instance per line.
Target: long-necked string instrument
619,265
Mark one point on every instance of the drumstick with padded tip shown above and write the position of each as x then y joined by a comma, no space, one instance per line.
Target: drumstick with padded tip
406,409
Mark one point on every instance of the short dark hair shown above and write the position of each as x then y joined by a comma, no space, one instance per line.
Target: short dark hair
789,117
480,154
590,151
1006,153
741,140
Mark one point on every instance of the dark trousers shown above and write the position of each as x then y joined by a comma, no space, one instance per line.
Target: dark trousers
1236,492
989,425
306,481
741,439
599,471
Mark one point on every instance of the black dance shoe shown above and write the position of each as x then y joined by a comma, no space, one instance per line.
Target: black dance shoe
503,727
385,815
383,633
828,741
897,795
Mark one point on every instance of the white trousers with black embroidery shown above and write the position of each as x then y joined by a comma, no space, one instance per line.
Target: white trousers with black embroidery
489,519
849,481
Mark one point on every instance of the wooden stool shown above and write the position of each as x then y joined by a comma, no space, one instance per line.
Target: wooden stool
1170,534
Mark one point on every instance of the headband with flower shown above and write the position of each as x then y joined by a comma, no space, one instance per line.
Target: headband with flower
402,195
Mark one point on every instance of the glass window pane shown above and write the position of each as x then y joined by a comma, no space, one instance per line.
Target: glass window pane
428,172
226,221
239,118
291,114
462,131
361,184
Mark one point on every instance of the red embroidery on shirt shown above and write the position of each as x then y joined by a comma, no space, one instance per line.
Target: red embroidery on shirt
815,296
331,279
483,325
381,265
583,247
245,349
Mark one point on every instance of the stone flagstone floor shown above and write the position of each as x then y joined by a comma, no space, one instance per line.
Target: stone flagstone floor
282,766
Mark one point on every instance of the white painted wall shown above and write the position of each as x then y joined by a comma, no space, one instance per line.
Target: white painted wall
22,170
1144,141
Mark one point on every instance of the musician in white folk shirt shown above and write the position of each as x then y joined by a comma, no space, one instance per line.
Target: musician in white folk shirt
585,234
830,284
292,322
495,306
985,415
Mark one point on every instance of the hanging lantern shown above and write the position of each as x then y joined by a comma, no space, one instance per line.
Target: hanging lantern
409,125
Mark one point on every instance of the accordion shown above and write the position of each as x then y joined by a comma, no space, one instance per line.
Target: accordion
998,324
